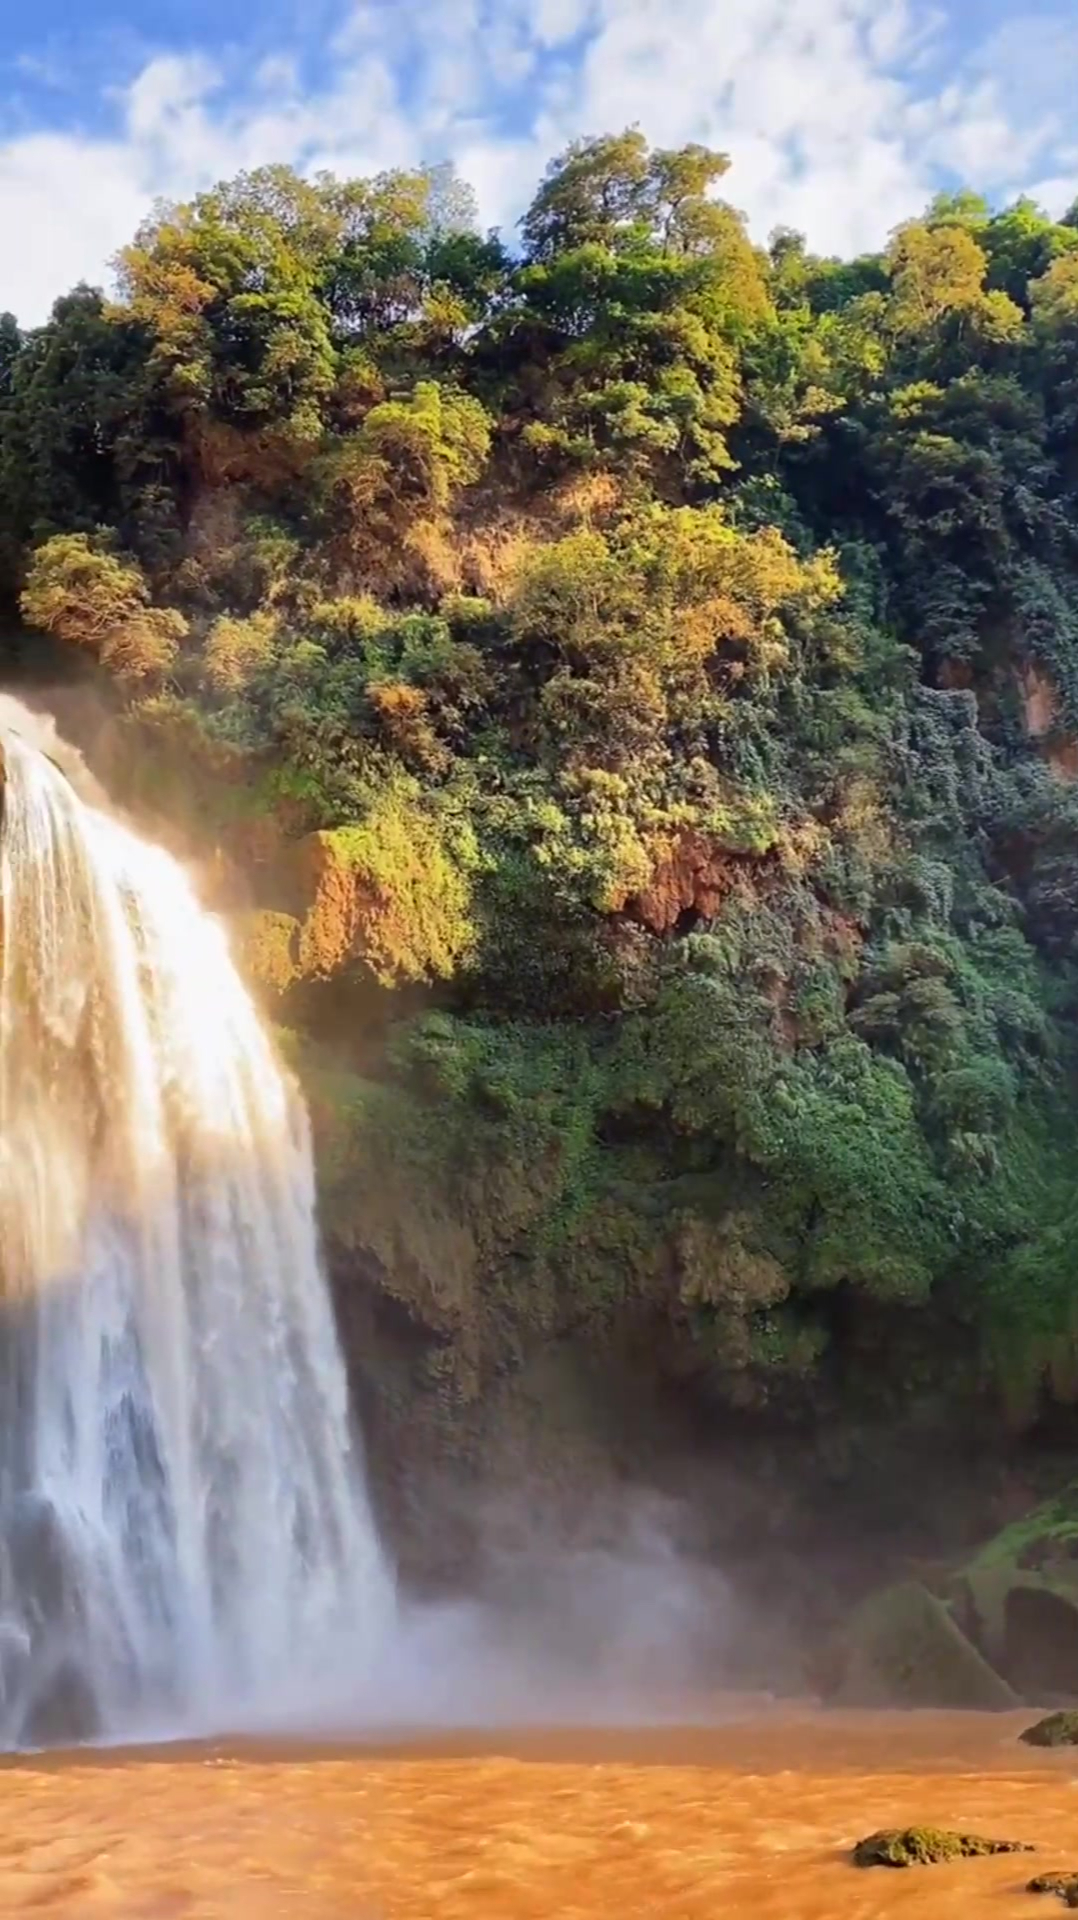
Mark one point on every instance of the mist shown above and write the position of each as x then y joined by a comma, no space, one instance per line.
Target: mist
38,727
619,1629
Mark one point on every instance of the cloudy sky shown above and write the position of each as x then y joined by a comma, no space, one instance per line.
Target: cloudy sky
841,116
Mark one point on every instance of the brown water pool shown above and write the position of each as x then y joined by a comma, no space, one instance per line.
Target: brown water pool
754,1816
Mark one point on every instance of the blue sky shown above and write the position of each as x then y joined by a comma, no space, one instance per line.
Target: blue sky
841,116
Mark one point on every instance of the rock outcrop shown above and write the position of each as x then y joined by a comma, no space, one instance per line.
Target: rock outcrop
689,875
902,1648
1063,1884
927,1847
1040,706
1017,1599
1055,1730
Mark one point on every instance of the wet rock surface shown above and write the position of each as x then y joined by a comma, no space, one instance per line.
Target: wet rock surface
1055,1730
1065,1885
903,1648
927,1846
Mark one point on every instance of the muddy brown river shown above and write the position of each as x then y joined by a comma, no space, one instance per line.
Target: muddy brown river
753,1816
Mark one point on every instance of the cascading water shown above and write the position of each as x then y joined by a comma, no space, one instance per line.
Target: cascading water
184,1535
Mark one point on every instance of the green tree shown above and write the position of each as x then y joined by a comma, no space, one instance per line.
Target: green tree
934,271
93,598
227,288
592,195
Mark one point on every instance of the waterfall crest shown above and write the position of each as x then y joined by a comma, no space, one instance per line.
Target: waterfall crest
184,1532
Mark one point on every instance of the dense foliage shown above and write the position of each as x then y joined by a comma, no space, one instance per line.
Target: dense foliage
639,673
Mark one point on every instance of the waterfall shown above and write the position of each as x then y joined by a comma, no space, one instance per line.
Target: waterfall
185,1541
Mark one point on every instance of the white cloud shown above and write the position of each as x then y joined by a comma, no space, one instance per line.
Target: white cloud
1057,193
833,111
556,21
65,207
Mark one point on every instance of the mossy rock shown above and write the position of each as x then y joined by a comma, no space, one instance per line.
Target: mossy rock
1055,1730
267,947
927,1846
902,1648
1063,1884
391,896
1026,1624
1044,1540
1017,1599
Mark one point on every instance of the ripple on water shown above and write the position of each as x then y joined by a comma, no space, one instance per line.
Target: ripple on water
753,1818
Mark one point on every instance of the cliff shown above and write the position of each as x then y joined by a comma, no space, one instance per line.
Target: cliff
625,694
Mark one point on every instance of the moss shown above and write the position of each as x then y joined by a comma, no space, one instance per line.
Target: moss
902,1648
1055,1730
267,946
392,894
236,650
1025,1623
1046,1534
926,1847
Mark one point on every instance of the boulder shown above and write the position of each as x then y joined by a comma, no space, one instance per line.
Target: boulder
1055,1730
902,1648
1017,1600
1063,1884
927,1847
1025,1624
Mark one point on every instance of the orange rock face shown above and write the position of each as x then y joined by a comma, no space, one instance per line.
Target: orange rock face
1039,701
1041,707
690,874
331,929
1063,759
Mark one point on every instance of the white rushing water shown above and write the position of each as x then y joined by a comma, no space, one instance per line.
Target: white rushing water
185,1541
